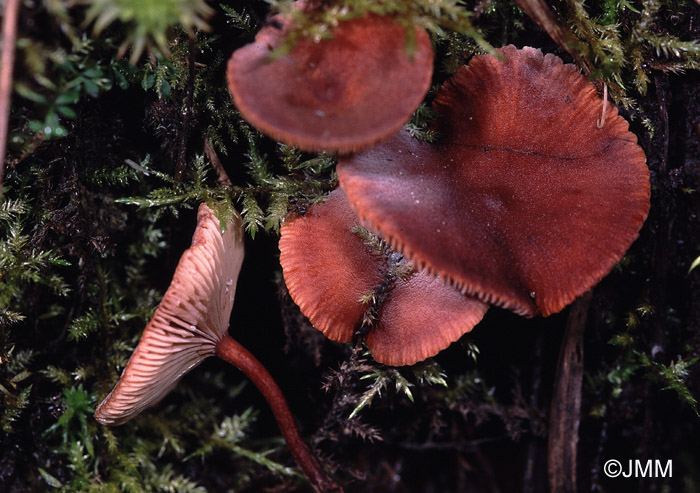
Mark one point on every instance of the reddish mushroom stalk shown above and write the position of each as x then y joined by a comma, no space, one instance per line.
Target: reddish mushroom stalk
231,351
191,324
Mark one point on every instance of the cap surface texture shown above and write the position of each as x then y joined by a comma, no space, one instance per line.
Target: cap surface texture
328,267
523,201
340,94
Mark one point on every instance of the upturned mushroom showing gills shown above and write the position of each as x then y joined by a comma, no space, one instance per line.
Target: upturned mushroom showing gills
348,282
191,324
340,94
524,201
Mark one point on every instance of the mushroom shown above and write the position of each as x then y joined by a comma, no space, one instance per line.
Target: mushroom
348,282
523,202
191,324
340,94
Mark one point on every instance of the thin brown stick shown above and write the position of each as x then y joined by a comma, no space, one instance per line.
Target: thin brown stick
213,157
601,121
665,219
565,410
533,446
229,350
9,35
539,11
187,111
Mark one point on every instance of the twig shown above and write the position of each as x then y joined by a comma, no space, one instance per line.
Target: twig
187,112
659,277
213,157
565,410
533,446
564,37
9,34
468,446
487,470
598,460
659,273
601,122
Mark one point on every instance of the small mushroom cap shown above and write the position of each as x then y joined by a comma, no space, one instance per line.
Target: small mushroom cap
328,267
340,94
524,202
190,320
423,316
325,266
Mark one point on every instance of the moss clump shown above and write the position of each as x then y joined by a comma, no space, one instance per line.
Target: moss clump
107,161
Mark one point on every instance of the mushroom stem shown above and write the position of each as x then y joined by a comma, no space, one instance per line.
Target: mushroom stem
230,350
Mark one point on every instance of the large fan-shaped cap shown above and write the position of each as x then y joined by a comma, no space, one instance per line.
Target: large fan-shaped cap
190,320
524,201
339,94
328,267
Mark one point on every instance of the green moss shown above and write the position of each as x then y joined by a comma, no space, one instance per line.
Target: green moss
626,41
148,23
94,216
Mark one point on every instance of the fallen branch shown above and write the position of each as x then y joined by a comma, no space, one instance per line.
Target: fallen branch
565,410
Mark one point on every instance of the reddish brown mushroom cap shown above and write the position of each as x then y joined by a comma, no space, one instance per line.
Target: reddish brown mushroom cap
422,317
187,325
322,271
524,202
340,94
328,268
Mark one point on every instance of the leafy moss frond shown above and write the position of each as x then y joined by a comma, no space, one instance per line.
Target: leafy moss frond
437,16
673,376
148,23
13,406
622,56
229,434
